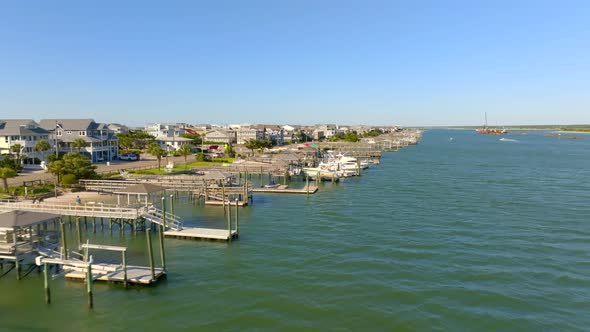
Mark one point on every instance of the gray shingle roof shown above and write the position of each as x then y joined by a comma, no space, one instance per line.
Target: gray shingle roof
20,127
19,219
69,124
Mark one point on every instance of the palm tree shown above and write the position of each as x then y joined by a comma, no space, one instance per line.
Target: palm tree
5,173
79,143
42,146
17,149
185,150
156,150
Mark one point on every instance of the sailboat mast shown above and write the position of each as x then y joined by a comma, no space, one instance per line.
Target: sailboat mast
485,124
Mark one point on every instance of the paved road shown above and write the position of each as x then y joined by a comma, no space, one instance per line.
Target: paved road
102,168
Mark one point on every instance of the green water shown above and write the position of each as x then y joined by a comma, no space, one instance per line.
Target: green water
448,235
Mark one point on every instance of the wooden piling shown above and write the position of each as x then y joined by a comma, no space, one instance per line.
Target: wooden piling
64,243
162,253
237,218
124,262
46,283
228,219
89,285
78,232
150,253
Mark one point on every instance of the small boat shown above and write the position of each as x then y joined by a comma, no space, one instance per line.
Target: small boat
272,185
490,131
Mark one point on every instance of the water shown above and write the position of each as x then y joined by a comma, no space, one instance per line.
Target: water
466,234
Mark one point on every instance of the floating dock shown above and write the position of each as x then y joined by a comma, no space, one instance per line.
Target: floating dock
283,189
139,275
202,233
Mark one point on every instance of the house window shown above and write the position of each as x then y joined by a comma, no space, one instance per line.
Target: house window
69,132
59,133
82,133
6,139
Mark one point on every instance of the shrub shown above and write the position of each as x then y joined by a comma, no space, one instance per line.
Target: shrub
69,179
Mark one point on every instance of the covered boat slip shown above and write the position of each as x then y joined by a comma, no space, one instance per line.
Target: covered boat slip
21,232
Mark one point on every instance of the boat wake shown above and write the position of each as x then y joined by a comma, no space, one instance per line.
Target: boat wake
503,139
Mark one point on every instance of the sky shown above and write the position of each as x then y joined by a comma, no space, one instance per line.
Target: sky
408,63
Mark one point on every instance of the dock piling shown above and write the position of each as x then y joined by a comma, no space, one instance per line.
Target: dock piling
46,283
150,253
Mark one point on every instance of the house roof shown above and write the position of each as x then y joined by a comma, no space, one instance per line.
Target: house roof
71,124
140,188
20,127
21,219
173,139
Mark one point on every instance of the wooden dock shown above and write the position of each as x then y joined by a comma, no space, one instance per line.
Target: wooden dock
140,275
220,203
283,189
202,233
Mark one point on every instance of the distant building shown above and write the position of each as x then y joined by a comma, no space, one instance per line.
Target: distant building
244,134
118,128
172,143
221,136
166,129
102,143
25,132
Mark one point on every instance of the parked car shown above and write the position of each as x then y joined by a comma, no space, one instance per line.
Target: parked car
129,156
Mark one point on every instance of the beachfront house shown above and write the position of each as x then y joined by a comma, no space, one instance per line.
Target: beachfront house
102,143
24,132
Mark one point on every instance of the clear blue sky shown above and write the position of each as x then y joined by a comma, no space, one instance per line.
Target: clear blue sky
412,63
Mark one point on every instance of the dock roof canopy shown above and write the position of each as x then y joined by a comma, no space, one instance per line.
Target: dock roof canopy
140,188
21,219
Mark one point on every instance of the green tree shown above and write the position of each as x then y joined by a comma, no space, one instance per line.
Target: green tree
10,162
42,146
251,144
5,173
79,143
351,136
265,143
135,140
156,150
200,157
78,165
56,168
196,138
185,150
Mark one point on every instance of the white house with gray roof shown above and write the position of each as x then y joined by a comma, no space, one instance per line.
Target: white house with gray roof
102,141
25,132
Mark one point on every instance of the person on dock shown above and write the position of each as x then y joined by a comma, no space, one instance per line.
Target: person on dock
78,200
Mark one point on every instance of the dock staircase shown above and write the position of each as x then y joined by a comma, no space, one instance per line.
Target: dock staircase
156,215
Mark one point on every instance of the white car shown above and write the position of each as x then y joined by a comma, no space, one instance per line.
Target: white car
129,156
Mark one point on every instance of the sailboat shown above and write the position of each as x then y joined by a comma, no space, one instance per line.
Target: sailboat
490,131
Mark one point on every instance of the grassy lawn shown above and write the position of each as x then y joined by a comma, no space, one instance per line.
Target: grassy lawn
180,168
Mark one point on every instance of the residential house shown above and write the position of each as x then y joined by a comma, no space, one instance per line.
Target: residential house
166,129
25,132
102,143
221,136
172,143
244,134
118,128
